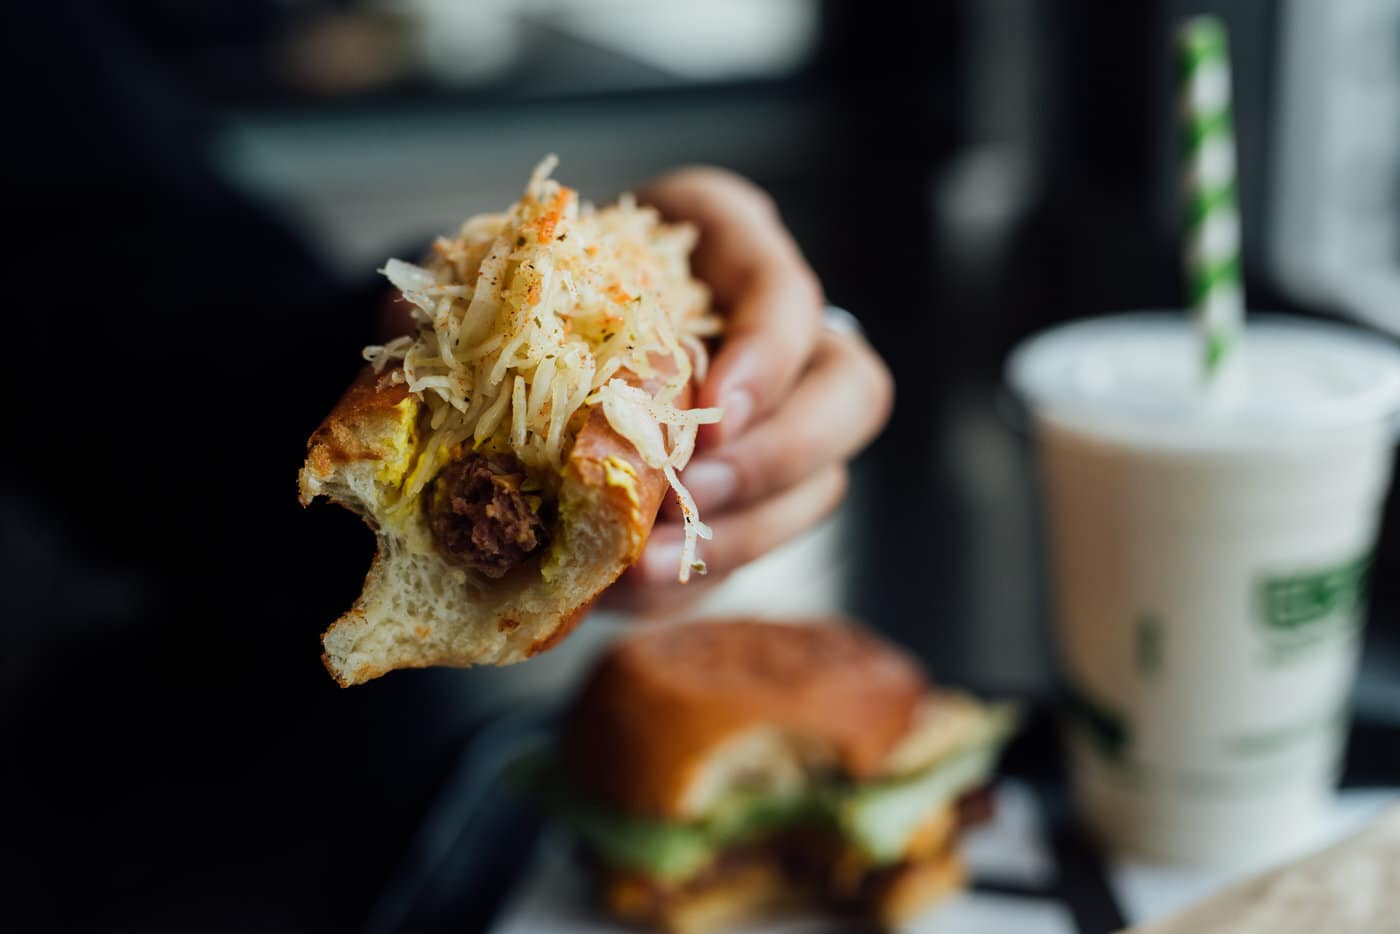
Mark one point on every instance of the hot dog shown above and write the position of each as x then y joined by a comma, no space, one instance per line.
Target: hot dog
512,451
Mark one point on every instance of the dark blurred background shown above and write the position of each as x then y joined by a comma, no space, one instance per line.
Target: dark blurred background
197,197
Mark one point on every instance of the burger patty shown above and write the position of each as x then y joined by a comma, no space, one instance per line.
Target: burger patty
480,518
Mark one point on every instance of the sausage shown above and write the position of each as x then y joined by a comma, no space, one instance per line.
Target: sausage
481,518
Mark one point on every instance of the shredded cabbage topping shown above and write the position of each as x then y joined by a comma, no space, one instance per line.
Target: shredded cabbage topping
524,318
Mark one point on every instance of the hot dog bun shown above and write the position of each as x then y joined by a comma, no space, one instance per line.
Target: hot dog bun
417,609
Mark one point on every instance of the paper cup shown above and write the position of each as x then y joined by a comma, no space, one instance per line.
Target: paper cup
1209,555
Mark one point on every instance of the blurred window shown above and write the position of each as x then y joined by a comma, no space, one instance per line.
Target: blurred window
285,50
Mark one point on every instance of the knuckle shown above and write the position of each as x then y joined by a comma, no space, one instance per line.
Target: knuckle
810,287
793,282
882,387
724,183
689,176
837,486
761,201
743,189
808,442
867,373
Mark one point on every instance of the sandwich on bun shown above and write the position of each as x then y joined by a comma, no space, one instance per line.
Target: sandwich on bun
718,771
512,451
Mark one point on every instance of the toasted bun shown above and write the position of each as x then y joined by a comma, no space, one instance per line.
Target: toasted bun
759,889
909,889
676,716
748,893
416,608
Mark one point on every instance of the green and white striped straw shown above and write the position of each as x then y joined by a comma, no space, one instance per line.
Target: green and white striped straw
1212,256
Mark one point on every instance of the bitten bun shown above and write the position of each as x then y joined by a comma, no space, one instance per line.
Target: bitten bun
694,709
417,609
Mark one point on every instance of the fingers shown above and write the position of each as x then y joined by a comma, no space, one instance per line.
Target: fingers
741,537
768,338
756,270
839,405
633,595
738,222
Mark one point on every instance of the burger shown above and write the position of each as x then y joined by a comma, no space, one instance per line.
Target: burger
717,771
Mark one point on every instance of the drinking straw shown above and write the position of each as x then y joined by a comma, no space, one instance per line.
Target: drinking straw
1212,247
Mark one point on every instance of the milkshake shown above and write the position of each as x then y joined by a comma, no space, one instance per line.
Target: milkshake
1209,548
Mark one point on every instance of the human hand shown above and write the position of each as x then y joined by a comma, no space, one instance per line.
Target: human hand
800,397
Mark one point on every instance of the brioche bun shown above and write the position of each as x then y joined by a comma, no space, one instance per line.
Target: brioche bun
696,708
761,888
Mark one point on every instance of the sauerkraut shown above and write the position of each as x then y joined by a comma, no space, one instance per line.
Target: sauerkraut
524,318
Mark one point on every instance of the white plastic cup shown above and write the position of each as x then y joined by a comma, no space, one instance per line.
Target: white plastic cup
1209,553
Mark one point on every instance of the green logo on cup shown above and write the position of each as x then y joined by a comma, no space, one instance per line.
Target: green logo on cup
1305,608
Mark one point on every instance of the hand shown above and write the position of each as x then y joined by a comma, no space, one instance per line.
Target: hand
799,399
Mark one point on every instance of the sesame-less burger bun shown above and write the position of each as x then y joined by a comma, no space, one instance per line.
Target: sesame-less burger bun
677,716
417,609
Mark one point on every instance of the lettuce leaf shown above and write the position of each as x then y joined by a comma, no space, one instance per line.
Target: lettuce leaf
878,817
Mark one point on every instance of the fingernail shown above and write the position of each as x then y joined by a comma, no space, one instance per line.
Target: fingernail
710,482
661,560
738,408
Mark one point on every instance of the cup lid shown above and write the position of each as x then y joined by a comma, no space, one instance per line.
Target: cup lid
1139,375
